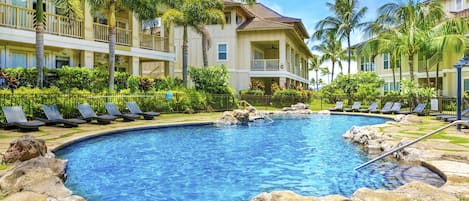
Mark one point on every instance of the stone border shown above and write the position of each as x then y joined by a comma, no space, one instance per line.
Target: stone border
120,130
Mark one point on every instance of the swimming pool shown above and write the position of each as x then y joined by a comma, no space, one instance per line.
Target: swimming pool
308,156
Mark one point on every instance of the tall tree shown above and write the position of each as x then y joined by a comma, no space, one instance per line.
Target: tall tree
331,50
195,14
72,9
410,20
144,9
449,37
314,66
347,16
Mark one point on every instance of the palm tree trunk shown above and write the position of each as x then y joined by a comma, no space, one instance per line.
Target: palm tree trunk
112,43
204,49
400,75
332,72
349,53
426,72
40,43
393,68
411,66
436,79
185,54
317,79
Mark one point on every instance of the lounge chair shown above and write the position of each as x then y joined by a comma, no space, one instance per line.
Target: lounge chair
386,107
134,109
396,107
372,107
338,106
114,111
15,117
89,115
54,117
445,117
355,107
418,110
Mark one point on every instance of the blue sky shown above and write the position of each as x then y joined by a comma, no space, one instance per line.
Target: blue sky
311,11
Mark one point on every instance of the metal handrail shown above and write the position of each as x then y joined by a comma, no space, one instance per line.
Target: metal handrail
459,122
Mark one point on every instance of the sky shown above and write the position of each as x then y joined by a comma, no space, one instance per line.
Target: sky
311,11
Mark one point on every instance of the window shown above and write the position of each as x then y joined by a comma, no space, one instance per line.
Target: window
19,59
239,19
386,61
458,4
466,85
62,61
222,52
228,18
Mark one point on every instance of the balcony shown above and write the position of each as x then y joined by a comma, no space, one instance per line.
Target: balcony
153,42
23,18
462,14
101,34
265,65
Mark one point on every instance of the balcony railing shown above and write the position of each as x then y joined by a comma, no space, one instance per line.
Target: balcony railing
101,33
23,18
153,42
462,14
265,65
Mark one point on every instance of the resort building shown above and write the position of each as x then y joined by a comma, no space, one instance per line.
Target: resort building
141,46
256,44
381,64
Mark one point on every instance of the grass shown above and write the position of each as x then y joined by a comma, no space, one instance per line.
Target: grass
4,167
316,105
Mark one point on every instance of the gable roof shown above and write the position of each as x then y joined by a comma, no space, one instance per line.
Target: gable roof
266,18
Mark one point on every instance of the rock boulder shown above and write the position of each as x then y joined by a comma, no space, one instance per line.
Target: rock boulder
24,148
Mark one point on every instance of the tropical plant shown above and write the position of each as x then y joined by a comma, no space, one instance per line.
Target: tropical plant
144,9
314,65
331,50
409,21
72,9
213,79
346,18
449,37
192,13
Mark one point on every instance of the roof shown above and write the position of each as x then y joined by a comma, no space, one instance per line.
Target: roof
266,18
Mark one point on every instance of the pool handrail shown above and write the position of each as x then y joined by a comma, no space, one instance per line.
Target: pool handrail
459,122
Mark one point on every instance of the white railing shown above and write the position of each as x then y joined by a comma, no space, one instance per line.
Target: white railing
23,18
265,65
153,42
101,33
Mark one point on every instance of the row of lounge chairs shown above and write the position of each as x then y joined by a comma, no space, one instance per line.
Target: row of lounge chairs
388,108
451,118
15,117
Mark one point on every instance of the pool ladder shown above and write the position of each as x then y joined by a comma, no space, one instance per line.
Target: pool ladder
459,122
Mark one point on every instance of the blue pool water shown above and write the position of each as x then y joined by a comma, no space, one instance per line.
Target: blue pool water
207,163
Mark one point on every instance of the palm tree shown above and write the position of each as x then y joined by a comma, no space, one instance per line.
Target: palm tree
314,66
144,9
325,72
347,17
410,20
72,9
195,14
331,49
449,37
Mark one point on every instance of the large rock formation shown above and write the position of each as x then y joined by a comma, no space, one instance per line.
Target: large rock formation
407,119
24,148
241,116
408,192
299,108
39,178
370,137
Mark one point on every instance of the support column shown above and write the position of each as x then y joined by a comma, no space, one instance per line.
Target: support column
282,82
135,65
3,63
282,55
88,28
87,59
135,27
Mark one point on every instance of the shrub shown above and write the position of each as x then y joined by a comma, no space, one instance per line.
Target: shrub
256,92
212,79
284,98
